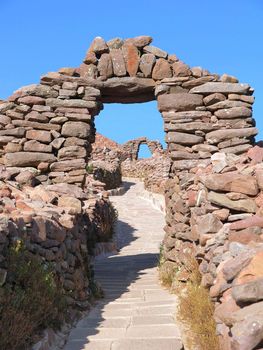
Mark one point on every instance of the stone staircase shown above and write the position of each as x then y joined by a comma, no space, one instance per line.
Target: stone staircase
136,313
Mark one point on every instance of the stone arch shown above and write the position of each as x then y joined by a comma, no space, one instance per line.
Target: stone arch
50,126
132,147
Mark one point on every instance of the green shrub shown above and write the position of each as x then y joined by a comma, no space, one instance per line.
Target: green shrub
31,300
89,168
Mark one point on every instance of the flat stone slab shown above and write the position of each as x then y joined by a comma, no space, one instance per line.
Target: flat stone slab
92,345
226,88
147,344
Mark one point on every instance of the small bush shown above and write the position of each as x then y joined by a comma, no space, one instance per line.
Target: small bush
89,168
31,300
106,216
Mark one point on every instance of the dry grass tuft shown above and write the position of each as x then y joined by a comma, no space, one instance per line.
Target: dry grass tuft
31,300
195,309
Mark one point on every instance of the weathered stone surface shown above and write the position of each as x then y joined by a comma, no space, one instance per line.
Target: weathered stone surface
183,155
115,43
239,149
32,100
17,132
105,66
23,159
4,120
188,164
35,146
232,267
156,51
220,135
140,41
131,58
256,156
57,143
88,71
227,104
183,138
214,98
231,182
235,112
6,139
244,98
36,125
179,102
118,62
180,69
204,148
14,115
195,82
225,88
187,116
249,292
246,236
192,126
147,62
90,57
246,205
73,141
69,190
72,152
251,310
78,117
25,177
38,90
58,120
53,102
161,70
13,147
208,223
67,165
39,135
246,335
35,116
72,204
76,129
252,221
253,270
99,45
128,89
5,106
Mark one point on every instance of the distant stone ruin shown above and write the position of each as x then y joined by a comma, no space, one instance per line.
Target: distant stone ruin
132,147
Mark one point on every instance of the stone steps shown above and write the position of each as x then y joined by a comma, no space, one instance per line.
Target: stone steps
136,312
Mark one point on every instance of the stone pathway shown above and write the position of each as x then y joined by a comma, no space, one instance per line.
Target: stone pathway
136,313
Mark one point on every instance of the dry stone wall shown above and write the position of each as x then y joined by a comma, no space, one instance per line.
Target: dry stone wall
105,162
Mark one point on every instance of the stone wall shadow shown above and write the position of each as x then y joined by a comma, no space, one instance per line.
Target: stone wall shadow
115,274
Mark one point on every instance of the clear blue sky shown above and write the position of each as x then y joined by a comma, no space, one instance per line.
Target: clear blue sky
223,36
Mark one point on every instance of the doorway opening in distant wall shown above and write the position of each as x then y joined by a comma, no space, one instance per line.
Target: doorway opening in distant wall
144,152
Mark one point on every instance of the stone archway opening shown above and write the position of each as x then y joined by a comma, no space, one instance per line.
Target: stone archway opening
144,152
